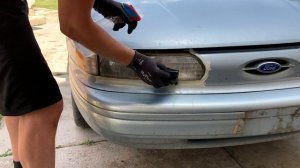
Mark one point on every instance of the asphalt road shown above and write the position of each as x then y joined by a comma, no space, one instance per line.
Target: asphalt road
82,148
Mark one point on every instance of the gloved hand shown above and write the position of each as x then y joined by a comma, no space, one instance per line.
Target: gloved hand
111,8
151,71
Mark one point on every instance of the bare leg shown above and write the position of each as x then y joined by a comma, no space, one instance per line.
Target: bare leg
38,130
12,124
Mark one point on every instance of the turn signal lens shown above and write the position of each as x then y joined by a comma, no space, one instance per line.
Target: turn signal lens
84,58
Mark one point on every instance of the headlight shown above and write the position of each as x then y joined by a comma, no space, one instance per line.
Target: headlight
190,67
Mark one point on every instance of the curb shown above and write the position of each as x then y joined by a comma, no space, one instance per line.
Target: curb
37,20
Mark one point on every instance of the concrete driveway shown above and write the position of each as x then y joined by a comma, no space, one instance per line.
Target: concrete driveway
82,148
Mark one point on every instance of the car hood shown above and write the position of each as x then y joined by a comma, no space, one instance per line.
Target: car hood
175,24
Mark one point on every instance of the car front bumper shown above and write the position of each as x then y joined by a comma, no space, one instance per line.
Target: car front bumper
210,120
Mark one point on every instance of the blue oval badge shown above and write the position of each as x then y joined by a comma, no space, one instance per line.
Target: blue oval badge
269,67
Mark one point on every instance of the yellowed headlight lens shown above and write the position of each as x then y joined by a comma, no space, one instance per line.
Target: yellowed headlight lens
190,68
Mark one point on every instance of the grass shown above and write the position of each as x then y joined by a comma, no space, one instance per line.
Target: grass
88,142
59,146
7,153
49,4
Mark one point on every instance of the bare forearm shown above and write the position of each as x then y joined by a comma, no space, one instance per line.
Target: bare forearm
81,28
102,43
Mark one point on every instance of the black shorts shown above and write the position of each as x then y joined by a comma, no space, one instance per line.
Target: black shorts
26,83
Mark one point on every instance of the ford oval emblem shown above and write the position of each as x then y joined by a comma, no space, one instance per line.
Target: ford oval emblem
269,67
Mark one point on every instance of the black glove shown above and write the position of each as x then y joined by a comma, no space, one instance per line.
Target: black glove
151,71
110,8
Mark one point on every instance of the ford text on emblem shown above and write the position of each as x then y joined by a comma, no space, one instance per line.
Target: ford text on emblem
268,67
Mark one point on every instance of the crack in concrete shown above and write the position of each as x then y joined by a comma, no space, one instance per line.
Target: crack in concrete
233,157
85,143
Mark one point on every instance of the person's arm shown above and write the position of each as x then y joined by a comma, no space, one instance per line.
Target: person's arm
76,23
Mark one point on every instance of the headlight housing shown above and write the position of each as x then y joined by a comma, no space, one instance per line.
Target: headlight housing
190,67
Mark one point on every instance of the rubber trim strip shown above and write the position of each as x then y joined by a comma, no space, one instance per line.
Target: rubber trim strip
231,49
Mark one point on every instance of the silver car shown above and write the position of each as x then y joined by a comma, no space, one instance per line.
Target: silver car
239,80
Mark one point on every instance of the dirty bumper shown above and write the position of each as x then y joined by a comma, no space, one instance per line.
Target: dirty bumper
204,130
183,129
